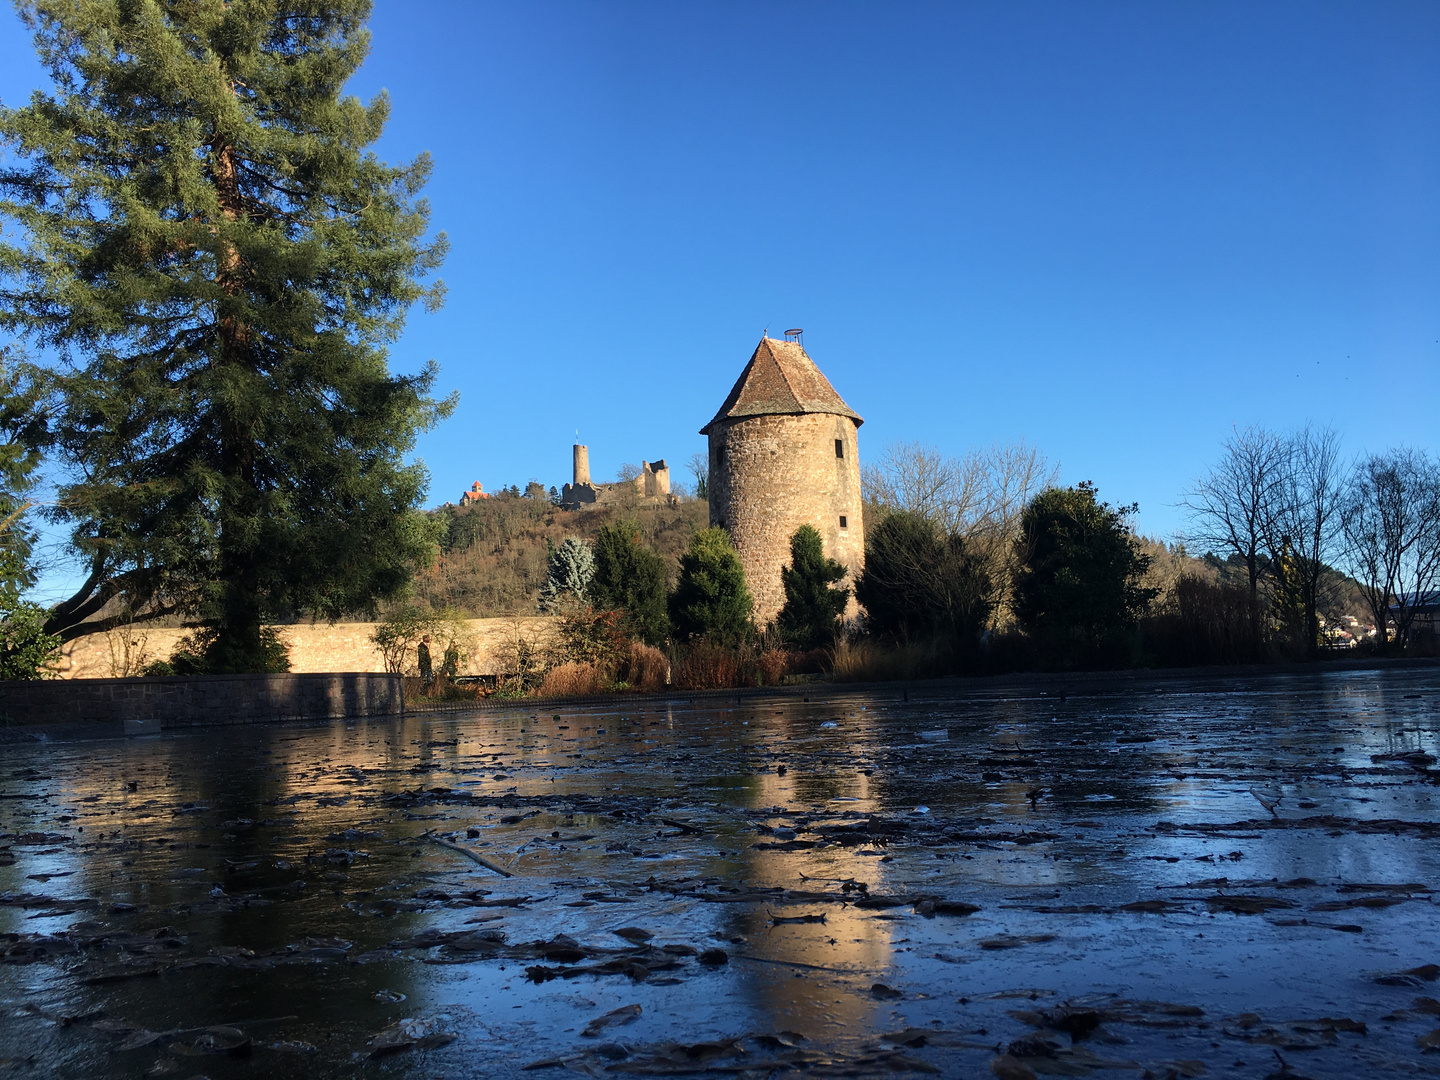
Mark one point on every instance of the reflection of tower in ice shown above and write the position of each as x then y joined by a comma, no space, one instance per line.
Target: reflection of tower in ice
813,977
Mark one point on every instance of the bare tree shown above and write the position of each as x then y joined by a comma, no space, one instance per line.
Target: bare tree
1303,525
979,497
1230,504
1014,474
915,477
984,491
1391,525
700,469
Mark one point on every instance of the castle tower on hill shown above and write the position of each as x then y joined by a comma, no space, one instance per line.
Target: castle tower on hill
784,453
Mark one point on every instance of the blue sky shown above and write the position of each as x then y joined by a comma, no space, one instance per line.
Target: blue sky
1112,229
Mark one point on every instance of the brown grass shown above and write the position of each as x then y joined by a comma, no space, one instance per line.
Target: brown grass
771,665
703,666
574,680
869,661
493,558
645,668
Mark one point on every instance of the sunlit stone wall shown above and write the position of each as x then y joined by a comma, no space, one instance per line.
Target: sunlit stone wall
313,648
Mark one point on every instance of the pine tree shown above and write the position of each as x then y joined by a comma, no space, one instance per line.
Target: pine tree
22,433
807,621
630,577
220,262
711,598
569,569
26,650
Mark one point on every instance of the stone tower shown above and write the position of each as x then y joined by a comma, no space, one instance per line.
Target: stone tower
783,453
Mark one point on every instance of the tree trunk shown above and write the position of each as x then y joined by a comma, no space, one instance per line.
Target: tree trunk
1252,565
237,646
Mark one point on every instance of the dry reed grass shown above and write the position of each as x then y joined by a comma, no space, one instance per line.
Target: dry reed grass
771,665
704,666
574,680
869,661
645,668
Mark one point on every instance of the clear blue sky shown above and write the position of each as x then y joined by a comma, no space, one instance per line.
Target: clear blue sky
1113,229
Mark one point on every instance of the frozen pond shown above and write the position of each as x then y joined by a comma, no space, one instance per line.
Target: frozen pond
1223,877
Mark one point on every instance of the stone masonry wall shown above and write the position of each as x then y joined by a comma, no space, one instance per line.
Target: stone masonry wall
141,706
313,648
771,474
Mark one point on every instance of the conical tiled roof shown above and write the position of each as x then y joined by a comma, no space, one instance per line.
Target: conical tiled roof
780,380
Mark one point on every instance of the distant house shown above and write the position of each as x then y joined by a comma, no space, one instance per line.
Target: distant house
1425,622
474,495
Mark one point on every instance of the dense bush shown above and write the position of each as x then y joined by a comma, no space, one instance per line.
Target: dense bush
574,679
644,668
630,577
1078,592
711,599
921,584
595,653
195,654
870,660
1208,622
591,636
812,603
26,651
704,664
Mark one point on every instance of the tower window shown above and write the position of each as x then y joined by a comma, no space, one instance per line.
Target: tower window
842,521
839,447
720,455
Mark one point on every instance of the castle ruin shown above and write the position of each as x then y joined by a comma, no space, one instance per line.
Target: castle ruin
652,484
784,453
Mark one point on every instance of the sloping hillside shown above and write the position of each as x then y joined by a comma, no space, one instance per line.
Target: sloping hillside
493,552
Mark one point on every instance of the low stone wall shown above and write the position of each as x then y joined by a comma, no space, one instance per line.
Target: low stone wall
141,706
317,647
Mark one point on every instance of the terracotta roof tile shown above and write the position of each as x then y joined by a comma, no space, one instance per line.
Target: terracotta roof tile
780,380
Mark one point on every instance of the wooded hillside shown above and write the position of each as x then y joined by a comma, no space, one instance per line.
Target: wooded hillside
493,552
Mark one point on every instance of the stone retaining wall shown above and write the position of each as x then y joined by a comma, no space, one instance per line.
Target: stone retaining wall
317,647
141,706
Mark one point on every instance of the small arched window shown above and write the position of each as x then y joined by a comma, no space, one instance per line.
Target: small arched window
840,448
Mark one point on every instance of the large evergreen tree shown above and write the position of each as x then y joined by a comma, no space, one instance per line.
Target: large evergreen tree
1081,567
630,577
711,598
812,603
220,262
26,650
